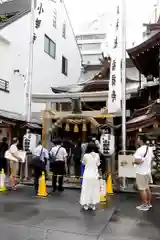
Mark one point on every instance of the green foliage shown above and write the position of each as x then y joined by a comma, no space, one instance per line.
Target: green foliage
3,18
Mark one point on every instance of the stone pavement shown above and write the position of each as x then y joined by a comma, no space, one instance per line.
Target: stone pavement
127,223
23,217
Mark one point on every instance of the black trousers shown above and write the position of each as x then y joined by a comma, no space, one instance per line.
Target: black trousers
37,175
77,169
58,169
68,165
3,165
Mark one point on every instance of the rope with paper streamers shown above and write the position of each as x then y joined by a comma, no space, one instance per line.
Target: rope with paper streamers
75,119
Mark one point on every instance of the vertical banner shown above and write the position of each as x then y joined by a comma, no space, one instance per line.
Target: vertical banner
39,10
115,83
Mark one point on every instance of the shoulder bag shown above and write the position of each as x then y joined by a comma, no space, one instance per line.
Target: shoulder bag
53,157
146,152
37,162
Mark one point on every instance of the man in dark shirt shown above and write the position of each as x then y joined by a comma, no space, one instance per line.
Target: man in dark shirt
3,149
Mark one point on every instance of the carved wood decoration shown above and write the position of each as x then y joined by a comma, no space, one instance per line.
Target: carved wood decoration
105,70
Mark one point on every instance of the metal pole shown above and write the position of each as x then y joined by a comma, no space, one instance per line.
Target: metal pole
157,12
30,65
124,80
159,74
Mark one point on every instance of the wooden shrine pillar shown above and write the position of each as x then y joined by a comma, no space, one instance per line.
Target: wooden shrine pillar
46,126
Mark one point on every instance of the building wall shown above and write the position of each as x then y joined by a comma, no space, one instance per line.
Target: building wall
14,48
47,72
51,69
92,59
90,45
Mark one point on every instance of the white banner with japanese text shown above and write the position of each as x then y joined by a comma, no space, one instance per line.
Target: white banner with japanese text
115,83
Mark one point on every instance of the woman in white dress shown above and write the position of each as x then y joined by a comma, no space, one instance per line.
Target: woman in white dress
90,192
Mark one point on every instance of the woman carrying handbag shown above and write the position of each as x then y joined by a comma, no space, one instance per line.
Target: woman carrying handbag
12,154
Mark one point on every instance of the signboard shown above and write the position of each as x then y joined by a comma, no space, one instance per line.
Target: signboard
126,168
107,144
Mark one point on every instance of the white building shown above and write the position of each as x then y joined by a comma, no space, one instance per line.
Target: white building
91,40
56,58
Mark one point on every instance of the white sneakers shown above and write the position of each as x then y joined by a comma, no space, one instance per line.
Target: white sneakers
144,207
86,207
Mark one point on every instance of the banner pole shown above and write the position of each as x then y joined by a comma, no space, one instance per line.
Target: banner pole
124,80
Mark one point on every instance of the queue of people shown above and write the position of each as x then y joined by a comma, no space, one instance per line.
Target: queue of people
57,157
89,154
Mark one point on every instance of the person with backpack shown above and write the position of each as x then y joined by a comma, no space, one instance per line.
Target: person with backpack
142,159
58,163
39,160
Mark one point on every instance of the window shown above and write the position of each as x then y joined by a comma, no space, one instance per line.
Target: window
90,46
91,36
92,58
64,30
55,18
64,65
49,47
4,85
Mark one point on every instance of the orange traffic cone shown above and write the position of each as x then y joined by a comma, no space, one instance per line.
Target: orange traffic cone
42,192
109,186
2,181
103,194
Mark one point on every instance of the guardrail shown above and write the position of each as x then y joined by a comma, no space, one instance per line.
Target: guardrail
4,85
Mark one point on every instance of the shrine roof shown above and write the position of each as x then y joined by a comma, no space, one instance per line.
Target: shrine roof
140,122
145,56
142,111
151,42
143,117
96,78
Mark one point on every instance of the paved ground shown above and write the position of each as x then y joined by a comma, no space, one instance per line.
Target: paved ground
22,217
129,224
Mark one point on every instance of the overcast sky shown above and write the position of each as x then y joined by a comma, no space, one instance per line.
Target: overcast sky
138,12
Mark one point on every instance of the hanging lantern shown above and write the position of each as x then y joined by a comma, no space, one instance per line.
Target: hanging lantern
84,128
67,129
76,129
